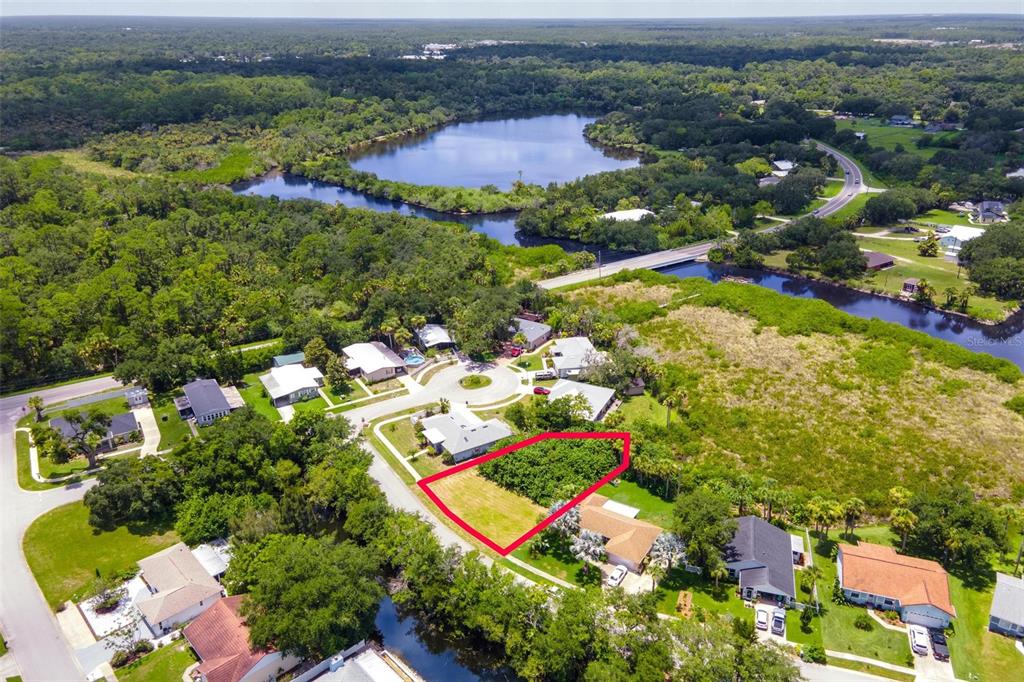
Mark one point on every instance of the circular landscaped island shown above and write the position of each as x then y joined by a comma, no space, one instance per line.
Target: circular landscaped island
472,381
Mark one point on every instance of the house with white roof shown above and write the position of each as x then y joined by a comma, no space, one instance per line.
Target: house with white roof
462,436
289,384
957,236
598,398
782,167
573,354
1007,613
179,588
1019,173
434,336
631,215
372,361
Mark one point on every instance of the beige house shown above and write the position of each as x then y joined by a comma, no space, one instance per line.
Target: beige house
179,588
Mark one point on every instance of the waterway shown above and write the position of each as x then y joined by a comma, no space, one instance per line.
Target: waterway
1005,340
433,657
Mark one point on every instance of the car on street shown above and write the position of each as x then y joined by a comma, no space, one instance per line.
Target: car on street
918,641
541,390
761,619
779,622
616,577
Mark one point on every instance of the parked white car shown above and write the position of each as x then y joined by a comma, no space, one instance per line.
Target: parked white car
617,575
761,619
919,641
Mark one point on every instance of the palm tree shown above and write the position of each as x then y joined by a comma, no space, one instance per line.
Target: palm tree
718,572
36,403
418,321
853,510
674,401
952,295
444,405
902,521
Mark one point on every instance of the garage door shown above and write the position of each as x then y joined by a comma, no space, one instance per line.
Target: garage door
924,619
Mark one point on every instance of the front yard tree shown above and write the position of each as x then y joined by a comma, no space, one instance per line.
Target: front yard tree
929,247
588,547
90,427
311,598
337,375
703,519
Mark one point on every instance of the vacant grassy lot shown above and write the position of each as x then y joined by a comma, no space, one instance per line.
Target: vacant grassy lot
939,272
498,513
938,215
163,665
833,412
65,552
888,137
642,407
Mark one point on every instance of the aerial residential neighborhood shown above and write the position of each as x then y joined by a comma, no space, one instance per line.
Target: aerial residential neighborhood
504,341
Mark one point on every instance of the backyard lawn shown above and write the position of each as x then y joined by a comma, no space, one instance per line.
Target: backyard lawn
720,600
173,429
837,628
500,514
65,552
163,665
642,407
255,397
652,508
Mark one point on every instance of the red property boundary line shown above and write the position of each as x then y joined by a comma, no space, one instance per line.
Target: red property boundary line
424,484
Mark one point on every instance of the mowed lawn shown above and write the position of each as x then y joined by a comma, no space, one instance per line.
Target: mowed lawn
163,665
173,429
888,137
652,508
499,514
65,552
940,273
255,397
642,407
978,654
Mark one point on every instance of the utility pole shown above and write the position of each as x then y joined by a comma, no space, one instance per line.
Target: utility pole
599,264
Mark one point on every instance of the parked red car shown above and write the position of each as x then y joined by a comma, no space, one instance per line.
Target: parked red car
515,352
540,390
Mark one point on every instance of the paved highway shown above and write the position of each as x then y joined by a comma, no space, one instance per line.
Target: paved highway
852,186
33,636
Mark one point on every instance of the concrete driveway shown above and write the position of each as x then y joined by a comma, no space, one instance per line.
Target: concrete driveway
927,666
150,430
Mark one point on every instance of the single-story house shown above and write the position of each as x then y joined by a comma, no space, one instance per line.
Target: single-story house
598,398
204,400
289,384
878,261
573,354
782,167
1019,173
760,557
220,639
136,396
363,662
768,181
910,285
535,333
123,428
214,556
373,361
628,541
901,120
1007,612
878,577
990,212
434,336
460,436
288,359
957,236
631,215
179,588
860,135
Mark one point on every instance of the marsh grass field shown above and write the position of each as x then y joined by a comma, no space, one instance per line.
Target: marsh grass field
838,411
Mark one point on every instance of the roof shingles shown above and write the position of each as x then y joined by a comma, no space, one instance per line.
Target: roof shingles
876,569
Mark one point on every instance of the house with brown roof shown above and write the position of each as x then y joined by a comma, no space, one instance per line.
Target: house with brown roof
628,541
220,639
179,588
878,577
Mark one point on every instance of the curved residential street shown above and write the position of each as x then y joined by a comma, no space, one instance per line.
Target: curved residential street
31,629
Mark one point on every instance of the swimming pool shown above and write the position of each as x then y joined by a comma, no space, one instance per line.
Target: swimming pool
413,359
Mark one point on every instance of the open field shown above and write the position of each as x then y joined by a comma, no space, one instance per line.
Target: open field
835,409
163,665
498,513
65,552
939,272
888,137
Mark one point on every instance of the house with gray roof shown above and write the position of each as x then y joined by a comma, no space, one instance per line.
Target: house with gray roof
760,557
204,401
462,436
288,359
990,212
536,334
598,398
123,428
1007,613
